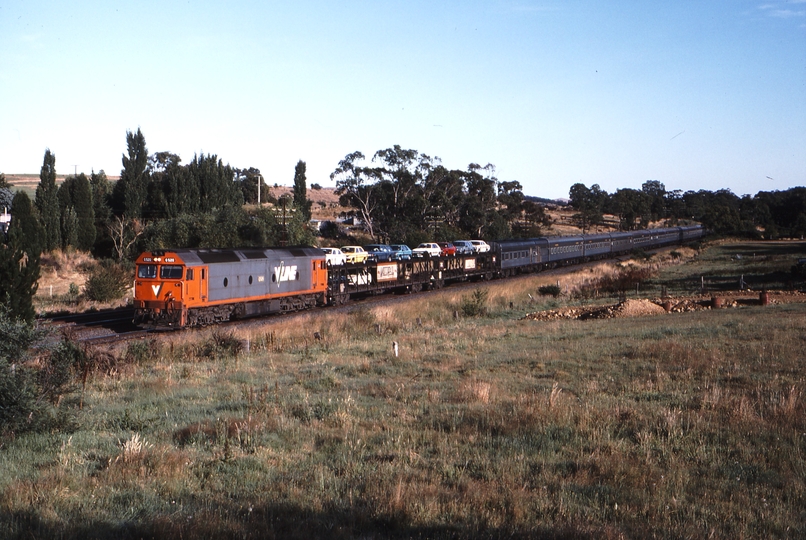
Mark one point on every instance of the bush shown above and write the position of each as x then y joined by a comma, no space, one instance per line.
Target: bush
19,409
57,376
475,304
221,345
108,281
27,394
550,290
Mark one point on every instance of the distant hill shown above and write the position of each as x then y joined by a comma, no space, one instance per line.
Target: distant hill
541,200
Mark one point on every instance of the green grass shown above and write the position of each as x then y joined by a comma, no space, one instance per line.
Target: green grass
683,425
722,266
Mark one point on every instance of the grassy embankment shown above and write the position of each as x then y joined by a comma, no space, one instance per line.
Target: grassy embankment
681,425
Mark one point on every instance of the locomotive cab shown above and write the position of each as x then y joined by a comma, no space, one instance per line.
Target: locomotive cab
164,287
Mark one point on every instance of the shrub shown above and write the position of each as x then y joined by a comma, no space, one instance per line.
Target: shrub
108,281
19,408
57,376
140,352
221,345
550,290
475,305
27,393
72,294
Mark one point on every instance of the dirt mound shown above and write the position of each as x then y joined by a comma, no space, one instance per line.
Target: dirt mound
628,308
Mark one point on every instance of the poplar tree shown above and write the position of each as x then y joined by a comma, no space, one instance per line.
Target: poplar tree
47,202
129,193
100,205
77,213
301,201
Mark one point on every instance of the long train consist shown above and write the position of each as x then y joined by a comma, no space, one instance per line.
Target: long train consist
195,287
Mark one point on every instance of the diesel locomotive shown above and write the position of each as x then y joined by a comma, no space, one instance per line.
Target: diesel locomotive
197,287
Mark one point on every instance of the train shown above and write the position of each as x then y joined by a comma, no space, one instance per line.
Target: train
180,288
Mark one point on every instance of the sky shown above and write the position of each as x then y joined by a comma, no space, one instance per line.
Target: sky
705,94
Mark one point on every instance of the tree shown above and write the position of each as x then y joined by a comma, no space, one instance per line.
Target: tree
401,185
124,233
656,192
99,185
510,200
6,195
444,194
479,204
356,188
47,202
589,204
633,208
129,193
77,212
214,181
19,259
248,180
301,201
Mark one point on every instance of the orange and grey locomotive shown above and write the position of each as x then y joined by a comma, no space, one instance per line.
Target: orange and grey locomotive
191,287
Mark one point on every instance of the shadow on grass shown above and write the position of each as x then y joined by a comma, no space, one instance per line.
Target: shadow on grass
277,521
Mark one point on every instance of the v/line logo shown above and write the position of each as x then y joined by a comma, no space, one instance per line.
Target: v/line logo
156,289
285,273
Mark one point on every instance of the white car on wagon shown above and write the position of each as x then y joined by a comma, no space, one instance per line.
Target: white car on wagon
334,256
480,246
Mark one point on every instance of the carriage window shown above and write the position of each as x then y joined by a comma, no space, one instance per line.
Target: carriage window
250,280
147,271
189,274
170,272
226,282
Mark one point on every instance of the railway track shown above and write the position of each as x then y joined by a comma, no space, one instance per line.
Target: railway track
97,327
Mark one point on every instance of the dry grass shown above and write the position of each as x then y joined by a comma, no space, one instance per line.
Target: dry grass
691,425
59,271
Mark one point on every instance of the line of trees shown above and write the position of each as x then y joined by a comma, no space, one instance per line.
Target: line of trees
157,203
403,195
768,214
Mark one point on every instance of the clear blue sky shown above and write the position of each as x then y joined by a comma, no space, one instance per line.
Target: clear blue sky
705,94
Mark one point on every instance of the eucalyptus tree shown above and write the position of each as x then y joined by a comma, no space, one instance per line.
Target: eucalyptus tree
357,187
589,204
479,206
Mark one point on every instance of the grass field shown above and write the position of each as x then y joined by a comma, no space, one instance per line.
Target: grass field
682,425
